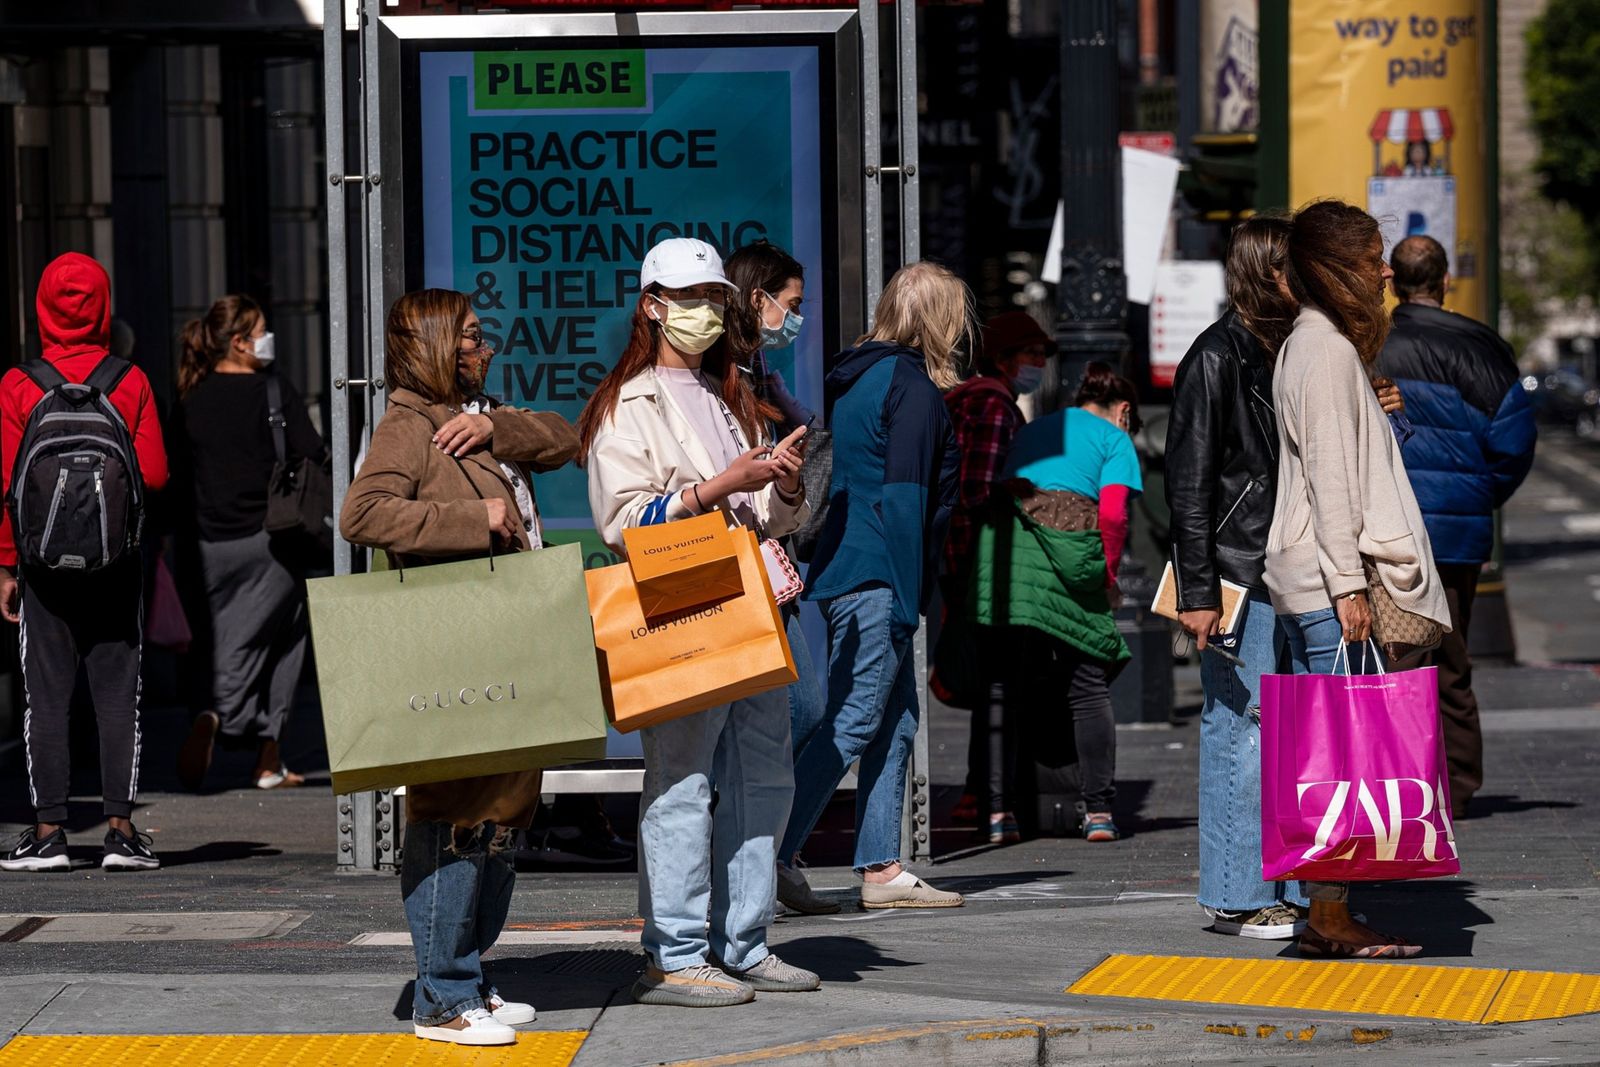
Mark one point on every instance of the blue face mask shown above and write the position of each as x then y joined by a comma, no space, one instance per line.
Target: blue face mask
780,336
1027,379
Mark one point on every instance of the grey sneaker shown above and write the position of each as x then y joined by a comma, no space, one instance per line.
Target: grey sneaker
1275,922
704,986
917,895
772,975
796,894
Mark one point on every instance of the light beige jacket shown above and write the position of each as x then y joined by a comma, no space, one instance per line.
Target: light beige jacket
1343,492
647,453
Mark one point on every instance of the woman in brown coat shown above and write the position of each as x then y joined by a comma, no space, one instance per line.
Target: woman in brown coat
447,478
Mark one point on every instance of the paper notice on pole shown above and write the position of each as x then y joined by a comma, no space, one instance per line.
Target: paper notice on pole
1188,296
1149,182
1051,271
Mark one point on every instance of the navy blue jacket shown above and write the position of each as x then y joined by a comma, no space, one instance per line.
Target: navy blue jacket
895,478
1474,430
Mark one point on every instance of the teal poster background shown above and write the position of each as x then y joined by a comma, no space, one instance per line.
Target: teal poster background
541,209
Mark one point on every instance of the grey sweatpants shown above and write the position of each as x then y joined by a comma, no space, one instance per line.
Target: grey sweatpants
258,618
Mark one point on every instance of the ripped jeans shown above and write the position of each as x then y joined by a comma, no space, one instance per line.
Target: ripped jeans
1230,766
457,888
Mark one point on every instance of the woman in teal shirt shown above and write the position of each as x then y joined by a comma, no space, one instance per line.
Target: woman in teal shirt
1074,473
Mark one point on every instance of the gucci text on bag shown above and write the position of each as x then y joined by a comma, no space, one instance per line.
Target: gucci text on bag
440,698
1395,835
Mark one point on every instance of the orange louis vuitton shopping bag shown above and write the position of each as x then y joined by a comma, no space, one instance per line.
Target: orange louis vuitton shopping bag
656,669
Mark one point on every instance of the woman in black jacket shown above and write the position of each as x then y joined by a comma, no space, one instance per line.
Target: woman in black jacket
1222,466
256,601
1222,469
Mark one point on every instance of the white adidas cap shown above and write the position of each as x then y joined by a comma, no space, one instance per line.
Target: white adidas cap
680,262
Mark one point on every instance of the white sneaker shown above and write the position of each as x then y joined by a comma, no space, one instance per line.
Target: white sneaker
510,1012
475,1026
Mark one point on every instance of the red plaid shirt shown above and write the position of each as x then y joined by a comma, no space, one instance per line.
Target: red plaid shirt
986,419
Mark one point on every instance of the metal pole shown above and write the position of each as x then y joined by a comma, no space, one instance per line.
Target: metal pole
338,259
372,207
338,337
1092,302
916,828
910,180
871,156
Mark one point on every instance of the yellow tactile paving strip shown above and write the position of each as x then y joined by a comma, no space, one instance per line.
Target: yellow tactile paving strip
553,1048
1454,994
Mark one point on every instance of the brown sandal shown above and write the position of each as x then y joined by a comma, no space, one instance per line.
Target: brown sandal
1315,946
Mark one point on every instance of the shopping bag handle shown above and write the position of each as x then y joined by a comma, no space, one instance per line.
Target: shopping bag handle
399,567
1344,650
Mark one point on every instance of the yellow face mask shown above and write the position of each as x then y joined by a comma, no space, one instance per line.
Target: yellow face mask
691,325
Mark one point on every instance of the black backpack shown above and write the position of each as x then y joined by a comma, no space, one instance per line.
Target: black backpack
76,496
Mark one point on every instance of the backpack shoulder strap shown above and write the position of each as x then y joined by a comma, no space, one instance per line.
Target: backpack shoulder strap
275,420
108,374
42,374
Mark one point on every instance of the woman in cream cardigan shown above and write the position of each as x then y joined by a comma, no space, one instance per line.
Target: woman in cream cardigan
1342,494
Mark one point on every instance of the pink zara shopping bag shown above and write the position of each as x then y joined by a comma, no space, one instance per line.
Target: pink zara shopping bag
1353,780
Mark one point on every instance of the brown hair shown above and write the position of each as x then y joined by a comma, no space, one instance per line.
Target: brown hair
1258,255
640,352
1330,257
1103,387
206,340
1420,264
926,307
420,342
762,266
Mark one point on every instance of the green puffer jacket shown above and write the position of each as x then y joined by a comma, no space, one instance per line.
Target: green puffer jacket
1025,574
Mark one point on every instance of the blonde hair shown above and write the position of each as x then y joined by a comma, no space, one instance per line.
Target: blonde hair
421,339
928,308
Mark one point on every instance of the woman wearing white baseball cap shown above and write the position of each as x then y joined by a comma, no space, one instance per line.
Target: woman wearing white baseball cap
673,431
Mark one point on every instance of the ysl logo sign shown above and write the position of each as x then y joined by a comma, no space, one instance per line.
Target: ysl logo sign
1382,808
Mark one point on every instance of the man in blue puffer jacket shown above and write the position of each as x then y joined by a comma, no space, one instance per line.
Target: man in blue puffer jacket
1473,445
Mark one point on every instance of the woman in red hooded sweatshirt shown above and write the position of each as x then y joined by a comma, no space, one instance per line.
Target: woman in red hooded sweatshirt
70,620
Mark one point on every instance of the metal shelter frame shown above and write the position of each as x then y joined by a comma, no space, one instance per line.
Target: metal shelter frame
366,251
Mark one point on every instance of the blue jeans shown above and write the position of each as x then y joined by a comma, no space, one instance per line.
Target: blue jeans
694,862
1314,642
871,716
1230,767
806,704
457,889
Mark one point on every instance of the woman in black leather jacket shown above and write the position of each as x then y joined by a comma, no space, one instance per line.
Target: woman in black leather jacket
1222,469
1222,466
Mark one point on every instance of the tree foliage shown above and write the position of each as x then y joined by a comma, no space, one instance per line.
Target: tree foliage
1563,83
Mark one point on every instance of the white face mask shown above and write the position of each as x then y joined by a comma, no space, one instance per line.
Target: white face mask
264,349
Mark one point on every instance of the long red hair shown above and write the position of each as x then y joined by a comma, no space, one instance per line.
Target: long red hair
640,353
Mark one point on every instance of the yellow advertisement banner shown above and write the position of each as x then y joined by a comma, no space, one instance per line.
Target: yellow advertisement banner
1386,112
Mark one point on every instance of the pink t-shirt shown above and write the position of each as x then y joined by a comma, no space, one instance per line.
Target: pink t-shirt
709,419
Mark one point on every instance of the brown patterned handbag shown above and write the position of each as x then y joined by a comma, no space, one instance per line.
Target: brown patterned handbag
1404,636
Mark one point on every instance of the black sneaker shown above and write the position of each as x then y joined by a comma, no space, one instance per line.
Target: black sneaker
32,854
124,853
570,845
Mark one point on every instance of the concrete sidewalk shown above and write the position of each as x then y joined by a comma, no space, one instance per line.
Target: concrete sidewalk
246,930
979,986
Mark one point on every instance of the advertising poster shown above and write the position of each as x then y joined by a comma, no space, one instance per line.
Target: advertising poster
1386,111
545,176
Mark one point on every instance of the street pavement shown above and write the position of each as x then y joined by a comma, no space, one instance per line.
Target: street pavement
247,930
